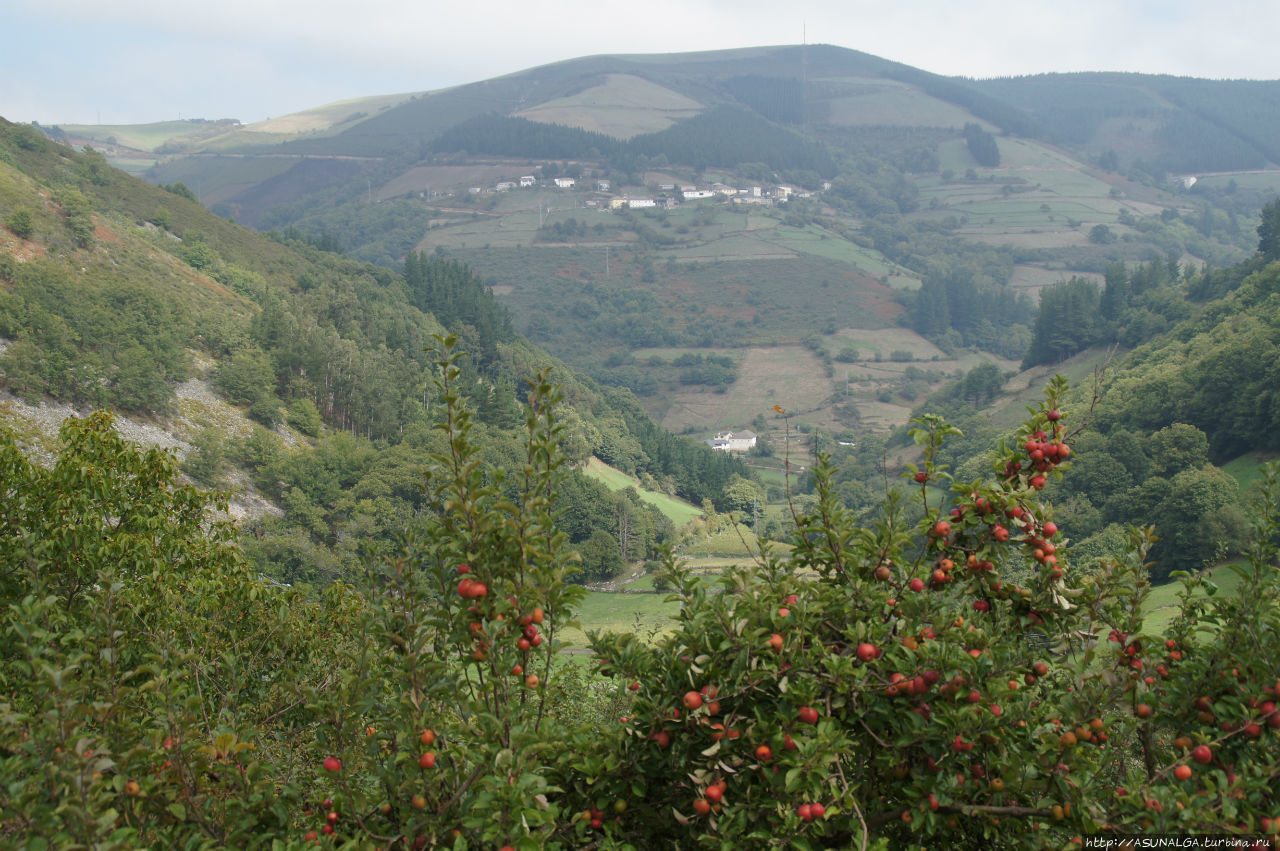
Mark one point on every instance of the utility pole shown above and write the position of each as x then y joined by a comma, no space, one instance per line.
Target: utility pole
606,261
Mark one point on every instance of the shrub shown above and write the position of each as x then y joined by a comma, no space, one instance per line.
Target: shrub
19,223
941,677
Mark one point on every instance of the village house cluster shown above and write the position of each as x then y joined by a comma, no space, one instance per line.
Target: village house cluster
667,195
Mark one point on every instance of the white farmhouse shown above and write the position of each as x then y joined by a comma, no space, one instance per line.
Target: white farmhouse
564,182
528,180
733,441
636,203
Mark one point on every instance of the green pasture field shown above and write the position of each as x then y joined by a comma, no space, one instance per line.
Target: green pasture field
643,614
679,511
812,240
1044,177
737,541
328,118
1247,469
643,582
770,476
884,341
1161,605
635,105
873,101
147,137
734,248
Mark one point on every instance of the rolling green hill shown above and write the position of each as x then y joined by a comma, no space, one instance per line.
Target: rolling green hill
298,379
901,213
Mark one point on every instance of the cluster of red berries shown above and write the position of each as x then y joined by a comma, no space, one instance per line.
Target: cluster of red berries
1044,452
331,818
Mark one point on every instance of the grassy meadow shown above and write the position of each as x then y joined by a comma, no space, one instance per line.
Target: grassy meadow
623,106
679,511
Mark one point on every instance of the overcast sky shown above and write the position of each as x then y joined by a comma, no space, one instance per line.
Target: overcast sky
135,61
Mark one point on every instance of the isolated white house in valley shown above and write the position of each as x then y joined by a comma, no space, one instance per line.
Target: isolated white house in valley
603,185
528,180
564,182
733,441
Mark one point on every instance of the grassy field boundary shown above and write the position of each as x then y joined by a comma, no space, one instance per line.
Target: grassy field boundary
678,510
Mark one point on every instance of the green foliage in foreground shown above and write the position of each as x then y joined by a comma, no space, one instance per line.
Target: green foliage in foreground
948,681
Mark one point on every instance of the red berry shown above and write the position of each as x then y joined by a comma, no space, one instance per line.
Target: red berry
332,763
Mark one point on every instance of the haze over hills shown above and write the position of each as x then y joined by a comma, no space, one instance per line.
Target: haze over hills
842,258
981,192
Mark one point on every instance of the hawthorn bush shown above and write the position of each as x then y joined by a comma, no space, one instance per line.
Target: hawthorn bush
947,681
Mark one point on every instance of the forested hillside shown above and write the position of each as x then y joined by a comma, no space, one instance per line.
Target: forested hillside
118,294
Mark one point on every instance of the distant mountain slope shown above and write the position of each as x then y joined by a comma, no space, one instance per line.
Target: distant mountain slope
833,192
1177,124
